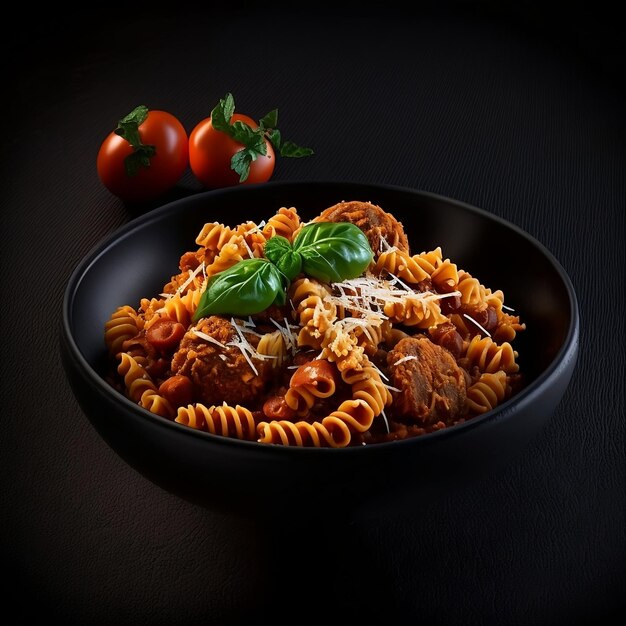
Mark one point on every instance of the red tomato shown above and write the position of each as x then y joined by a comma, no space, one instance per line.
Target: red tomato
166,133
210,152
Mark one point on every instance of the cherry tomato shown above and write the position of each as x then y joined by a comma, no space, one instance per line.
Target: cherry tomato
211,151
178,390
165,333
169,162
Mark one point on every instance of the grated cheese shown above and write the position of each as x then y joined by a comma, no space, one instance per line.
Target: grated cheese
386,421
289,337
368,294
248,248
385,246
471,319
199,333
243,345
408,357
181,288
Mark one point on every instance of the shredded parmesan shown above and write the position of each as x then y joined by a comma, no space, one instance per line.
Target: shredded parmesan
368,294
248,248
256,228
244,345
181,288
384,246
288,335
471,319
385,418
408,357
508,308
208,338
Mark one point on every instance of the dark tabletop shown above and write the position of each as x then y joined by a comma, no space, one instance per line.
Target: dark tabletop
515,111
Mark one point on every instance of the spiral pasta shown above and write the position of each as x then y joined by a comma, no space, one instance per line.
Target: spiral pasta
214,236
489,391
224,420
417,312
273,345
327,433
123,324
470,288
152,400
229,254
314,310
490,357
179,308
285,223
412,345
400,264
445,277
136,379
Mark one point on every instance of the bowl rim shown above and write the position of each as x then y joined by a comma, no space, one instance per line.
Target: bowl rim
565,354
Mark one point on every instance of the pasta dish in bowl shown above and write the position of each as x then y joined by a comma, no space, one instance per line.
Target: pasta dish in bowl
322,338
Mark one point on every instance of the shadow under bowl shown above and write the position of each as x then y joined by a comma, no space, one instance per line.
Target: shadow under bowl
272,481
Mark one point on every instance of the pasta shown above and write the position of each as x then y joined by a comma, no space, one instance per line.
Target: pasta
410,345
123,324
223,420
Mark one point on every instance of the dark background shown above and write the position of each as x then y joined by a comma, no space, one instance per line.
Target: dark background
514,108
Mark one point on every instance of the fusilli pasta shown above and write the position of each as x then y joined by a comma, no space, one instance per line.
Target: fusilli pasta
412,345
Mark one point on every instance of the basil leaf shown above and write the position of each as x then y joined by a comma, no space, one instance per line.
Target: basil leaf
276,247
246,288
333,251
279,251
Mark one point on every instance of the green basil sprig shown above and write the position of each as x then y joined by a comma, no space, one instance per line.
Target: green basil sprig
333,251
327,251
250,286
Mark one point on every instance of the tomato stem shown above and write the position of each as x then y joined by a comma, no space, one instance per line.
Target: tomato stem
128,129
253,139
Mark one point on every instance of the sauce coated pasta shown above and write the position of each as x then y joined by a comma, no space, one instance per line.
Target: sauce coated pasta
404,345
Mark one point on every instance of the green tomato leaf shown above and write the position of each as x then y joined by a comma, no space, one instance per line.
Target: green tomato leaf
240,162
290,149
332,252
140,157
246,288
251,138
128,129
274,138
270,120
221,114
128,126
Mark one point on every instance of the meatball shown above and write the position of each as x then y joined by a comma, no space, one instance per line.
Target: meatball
220,374
372,220
433,385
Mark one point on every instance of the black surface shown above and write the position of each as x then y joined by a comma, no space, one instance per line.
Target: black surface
517,111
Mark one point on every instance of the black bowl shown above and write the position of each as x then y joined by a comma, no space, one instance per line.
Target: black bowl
273,481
